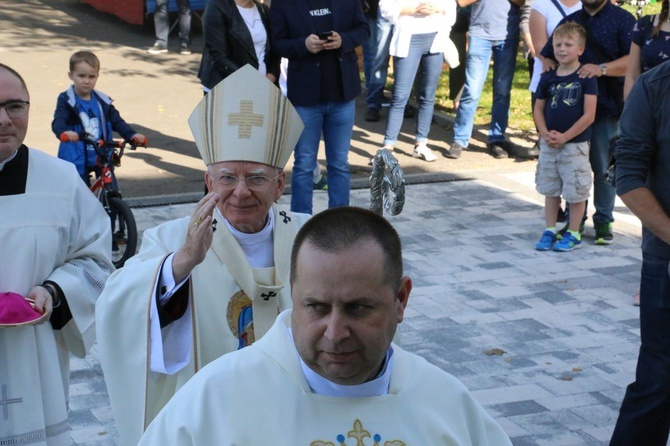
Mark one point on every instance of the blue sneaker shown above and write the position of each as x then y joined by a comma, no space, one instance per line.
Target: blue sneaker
546,242
568,243
564,230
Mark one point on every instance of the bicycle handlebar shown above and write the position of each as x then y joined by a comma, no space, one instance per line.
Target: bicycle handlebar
134,143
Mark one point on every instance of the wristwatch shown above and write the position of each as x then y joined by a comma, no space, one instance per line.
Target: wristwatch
603,68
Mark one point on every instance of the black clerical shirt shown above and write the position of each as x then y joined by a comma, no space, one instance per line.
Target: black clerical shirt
14,175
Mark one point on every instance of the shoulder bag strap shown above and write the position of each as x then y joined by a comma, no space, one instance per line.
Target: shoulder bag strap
558,6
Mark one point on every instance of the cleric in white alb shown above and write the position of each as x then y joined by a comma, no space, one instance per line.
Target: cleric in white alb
55,248
211,283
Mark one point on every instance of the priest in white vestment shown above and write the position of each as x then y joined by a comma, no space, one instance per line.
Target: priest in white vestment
215,281
327,373
55,249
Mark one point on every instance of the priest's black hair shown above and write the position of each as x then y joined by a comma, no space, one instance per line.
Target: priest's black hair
337,229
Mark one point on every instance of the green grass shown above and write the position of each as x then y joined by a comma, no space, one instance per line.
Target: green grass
520,112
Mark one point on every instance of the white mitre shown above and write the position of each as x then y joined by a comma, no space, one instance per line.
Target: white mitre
245,117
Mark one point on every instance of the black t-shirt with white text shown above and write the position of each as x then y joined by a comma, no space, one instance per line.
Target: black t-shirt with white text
331,76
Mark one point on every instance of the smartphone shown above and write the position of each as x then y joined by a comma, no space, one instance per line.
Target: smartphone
324,36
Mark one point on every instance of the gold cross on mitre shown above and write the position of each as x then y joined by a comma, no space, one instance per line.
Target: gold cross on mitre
245,118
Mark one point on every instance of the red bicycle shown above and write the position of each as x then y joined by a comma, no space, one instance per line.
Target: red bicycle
105,188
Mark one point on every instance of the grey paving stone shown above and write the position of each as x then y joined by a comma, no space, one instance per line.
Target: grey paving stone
81,418
516,408
479,284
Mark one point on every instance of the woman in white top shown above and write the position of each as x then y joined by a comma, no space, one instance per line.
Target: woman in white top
237,32
544,18
420,39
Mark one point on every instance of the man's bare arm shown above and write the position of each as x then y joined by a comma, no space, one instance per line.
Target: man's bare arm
644,205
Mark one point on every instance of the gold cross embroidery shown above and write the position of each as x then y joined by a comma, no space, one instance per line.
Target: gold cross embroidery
358,433
245,119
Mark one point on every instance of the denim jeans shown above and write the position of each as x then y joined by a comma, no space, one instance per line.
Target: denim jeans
458,35
644,417
476,69
428,65
162,22
604,193
336,121
376,60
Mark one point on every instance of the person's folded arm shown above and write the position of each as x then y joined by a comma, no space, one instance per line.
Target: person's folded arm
216,41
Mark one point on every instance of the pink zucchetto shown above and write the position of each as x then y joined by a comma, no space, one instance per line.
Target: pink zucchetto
16,310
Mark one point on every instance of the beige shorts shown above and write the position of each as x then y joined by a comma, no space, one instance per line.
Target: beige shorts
565,171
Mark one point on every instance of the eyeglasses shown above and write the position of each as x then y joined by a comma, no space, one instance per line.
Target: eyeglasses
15,109
253,181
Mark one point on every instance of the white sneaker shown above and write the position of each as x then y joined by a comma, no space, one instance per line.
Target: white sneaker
157,48
422,151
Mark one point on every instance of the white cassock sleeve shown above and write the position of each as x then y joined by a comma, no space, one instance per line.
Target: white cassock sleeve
170,346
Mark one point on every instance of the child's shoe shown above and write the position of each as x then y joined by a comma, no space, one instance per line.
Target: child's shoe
568,243
546,242
560,234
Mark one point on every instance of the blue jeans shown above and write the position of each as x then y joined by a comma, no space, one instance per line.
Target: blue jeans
604,193
429,66
476,69
162,22
644,417
376,60
336,121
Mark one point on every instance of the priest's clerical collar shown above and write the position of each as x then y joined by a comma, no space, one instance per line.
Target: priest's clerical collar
249,238
257,247
377,387
11,157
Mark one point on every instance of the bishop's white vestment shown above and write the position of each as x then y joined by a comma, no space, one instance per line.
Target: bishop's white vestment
259,396
222,288
55,230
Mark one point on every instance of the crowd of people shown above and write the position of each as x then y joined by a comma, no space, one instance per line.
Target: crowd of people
244,305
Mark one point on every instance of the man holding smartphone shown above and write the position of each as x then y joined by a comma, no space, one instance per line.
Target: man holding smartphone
322,83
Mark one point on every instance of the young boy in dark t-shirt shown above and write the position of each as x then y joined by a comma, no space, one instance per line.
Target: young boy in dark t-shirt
564,110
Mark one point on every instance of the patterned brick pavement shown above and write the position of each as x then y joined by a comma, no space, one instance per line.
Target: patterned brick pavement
564,320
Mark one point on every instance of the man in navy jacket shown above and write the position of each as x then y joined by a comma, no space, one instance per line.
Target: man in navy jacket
319,38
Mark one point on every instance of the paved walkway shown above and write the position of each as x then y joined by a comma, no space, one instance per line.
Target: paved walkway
564,320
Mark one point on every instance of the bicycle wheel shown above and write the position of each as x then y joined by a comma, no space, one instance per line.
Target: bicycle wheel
124,231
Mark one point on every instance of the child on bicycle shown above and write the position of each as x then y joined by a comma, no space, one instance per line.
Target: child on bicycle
83,110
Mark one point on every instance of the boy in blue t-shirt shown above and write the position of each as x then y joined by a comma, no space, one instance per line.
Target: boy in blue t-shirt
564,111
82,109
